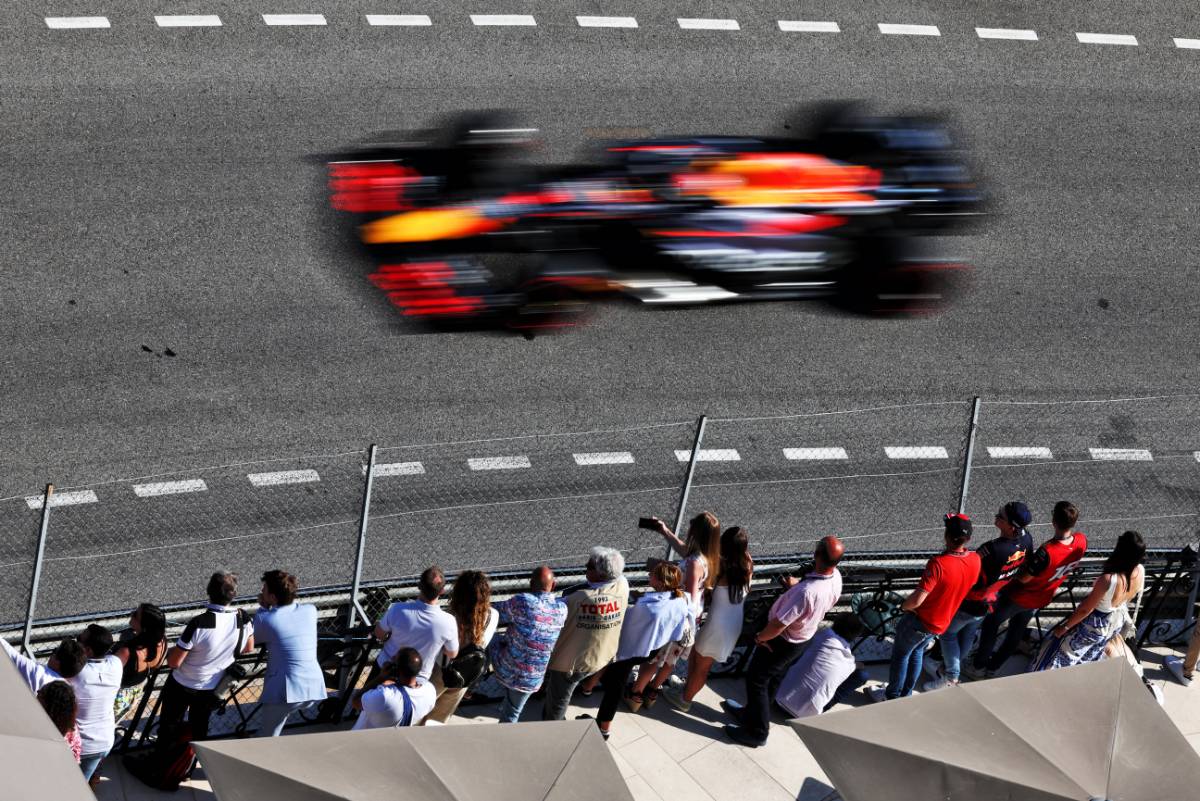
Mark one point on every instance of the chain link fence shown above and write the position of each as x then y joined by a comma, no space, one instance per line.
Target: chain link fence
792,479
1126,463
522,501
158,538
880,478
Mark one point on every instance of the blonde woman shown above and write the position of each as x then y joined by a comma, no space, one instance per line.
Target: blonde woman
659,618
701,568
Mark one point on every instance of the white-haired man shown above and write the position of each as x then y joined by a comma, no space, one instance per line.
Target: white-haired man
589,637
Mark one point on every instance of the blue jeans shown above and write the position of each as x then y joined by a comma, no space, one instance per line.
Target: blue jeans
956,642
1018,618
512,705
855,680
560,686
273,717
908,651
89,762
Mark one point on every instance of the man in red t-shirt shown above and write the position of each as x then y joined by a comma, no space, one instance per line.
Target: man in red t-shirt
947,580
1034,586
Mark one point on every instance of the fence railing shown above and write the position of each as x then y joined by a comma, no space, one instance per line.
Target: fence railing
873,585
879,477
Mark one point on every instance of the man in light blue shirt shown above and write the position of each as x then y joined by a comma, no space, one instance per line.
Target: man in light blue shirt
294,679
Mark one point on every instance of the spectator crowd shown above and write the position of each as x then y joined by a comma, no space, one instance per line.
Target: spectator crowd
600,636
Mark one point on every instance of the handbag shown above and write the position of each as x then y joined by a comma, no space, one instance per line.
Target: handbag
235,672
465,668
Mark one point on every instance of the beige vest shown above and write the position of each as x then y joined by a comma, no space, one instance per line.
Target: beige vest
589,637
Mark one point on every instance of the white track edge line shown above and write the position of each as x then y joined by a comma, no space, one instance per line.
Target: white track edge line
499,463
67,23
188,21
916,452
606,22
399,19
66,498
283,477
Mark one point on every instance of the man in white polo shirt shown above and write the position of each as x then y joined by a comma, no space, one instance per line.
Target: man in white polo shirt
420,625
199,659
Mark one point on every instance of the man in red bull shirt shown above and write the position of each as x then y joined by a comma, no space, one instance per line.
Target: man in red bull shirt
1034,586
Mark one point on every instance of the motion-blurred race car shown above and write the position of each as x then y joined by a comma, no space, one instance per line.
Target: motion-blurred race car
460,226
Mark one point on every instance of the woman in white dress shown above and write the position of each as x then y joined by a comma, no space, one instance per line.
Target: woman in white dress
701,567
1103,615
720,632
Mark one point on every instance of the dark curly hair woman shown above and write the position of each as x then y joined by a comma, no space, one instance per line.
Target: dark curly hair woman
58,699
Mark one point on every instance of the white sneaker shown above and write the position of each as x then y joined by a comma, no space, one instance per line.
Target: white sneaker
938,682
1174,666
877,694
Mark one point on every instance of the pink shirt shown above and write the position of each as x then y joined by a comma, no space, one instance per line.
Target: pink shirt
802,607
74,743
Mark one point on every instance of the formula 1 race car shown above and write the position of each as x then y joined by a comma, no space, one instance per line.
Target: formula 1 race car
461,227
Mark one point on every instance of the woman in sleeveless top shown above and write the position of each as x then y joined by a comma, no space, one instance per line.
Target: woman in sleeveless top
721,631
1082,637
700,567
141,653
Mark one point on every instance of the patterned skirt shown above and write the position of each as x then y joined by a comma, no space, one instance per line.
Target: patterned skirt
127,700
1083,643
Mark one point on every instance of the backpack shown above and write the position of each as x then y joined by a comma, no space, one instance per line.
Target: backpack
465,668
167,765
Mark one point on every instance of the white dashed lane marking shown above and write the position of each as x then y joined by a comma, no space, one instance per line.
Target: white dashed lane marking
1019,453
283,477
814,454
69,498
807,26
1121,454
399,19
397,469
909,30
916,452
157,488
1006,33
76,22
188,21
607,457
607,22
503,19
1188,44
294,19
1197,455
693,24
710,455
1106,38
499,463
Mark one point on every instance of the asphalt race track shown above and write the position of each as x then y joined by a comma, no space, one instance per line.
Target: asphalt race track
165,193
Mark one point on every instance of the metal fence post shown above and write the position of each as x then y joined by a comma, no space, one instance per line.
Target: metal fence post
687,481
37,567
355,607
966,475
